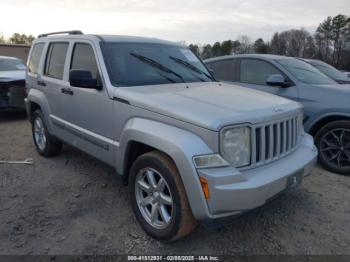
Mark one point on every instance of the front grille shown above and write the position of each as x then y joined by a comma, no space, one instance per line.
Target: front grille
274,140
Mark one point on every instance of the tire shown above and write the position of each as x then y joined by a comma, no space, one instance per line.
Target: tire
181,221
49,146
333,143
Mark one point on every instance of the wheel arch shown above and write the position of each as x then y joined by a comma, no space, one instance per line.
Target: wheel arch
326,119
179,145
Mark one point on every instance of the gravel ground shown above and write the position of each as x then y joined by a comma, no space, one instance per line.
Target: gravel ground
74,204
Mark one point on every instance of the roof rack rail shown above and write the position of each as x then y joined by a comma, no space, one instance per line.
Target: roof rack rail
72,32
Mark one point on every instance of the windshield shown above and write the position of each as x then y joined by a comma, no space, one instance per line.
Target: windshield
137,64
330,71
7,64
305,72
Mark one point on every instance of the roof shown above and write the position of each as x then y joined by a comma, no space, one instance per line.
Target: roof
111,38
262,56
135,39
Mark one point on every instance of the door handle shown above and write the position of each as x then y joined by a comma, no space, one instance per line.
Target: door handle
67,91
41,83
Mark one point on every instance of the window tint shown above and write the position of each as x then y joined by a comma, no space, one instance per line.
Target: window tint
56,56
223,70
255,71
84,59
35,58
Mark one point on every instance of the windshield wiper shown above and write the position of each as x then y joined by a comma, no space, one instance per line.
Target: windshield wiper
190,66
157,65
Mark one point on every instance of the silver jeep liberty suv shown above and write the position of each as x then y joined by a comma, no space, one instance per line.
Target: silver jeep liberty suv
191,148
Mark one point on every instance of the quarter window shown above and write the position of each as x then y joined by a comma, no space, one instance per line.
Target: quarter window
56,57
84,59
255,71
34,60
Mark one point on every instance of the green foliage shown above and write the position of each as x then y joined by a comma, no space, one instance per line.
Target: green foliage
260,47
24,39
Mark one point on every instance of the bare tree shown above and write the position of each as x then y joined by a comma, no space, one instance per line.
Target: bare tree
246,46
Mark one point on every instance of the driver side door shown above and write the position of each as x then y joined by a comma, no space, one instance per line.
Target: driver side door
89,111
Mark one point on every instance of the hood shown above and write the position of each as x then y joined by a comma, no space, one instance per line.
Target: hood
211,105
8,76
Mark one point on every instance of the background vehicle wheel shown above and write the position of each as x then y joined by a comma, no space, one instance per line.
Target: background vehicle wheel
333,143
159,199
45,144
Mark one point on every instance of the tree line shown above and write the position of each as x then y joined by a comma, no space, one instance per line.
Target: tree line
330,43
17,38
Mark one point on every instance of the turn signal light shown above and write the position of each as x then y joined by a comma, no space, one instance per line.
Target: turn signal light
205,187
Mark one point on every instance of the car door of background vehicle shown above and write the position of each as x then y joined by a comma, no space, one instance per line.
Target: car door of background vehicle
253,73
88,110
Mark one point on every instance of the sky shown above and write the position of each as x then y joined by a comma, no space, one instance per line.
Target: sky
192,21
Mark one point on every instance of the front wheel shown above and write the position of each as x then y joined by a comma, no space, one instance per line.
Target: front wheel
158,197
333,143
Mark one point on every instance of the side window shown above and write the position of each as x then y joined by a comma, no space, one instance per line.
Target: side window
224,70
256,71
55,59
35,58
83,58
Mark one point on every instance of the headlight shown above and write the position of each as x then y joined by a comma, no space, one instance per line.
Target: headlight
235,146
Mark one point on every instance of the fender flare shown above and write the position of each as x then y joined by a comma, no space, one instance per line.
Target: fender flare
37,97
179,144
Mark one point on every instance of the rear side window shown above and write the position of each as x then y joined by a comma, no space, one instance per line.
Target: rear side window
84,59
34,60
55,59
255,71
224,70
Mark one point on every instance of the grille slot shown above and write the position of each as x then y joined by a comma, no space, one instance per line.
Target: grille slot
274,140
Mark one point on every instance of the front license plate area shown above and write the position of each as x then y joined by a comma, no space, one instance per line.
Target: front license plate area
295,180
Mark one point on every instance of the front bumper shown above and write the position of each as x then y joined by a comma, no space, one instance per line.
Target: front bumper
12,95
233,192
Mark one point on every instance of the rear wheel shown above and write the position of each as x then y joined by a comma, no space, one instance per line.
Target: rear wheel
159,199
333,143
45,144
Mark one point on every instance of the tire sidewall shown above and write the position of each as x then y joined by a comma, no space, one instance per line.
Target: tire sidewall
318,137
149,161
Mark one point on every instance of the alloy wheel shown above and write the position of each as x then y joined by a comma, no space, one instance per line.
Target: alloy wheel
335,147
154,198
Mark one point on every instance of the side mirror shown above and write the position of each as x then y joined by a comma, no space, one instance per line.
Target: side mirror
277,80
82,78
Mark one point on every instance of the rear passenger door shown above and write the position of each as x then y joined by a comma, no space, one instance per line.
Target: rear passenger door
89,110
52,81
253,73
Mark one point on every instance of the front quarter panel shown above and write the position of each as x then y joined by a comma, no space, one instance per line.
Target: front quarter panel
179,144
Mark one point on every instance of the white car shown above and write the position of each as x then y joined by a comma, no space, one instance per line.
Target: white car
12,83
